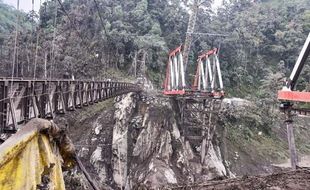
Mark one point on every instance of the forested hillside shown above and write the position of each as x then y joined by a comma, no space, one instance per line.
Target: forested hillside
265,40
144,139
96,38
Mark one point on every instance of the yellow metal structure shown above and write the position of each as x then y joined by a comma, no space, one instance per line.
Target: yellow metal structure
31,160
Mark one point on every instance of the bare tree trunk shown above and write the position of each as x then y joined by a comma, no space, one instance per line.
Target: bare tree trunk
133,68
22,69
143,68
17,62
28,60
45,64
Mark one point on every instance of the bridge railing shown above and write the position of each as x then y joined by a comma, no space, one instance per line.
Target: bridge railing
22,100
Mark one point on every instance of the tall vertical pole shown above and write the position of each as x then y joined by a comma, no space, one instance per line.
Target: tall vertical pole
15,43
135,64
204,140
190,31
291,139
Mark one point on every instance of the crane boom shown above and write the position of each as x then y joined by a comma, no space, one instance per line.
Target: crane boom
190,31
299,64
287,93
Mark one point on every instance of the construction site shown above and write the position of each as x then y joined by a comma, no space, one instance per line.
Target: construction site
199,94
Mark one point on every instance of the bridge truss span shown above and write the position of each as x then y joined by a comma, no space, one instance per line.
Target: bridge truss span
199,104
22,100
207,81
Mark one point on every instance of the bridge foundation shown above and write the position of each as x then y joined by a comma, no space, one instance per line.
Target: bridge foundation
198,122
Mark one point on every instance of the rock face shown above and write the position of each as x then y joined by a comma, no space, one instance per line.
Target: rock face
137,143
122,115
149,151
153,149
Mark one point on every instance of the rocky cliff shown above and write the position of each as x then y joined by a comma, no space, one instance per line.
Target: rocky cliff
135,142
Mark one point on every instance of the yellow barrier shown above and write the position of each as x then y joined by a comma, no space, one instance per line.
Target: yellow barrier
30,159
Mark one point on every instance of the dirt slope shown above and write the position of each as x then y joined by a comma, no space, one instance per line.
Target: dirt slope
297,180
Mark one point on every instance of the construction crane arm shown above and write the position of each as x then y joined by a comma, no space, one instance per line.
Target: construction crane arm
287,93
299,65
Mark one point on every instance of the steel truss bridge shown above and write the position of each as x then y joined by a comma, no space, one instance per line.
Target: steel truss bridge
22,100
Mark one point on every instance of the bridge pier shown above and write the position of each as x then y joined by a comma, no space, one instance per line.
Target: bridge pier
291,139
198,122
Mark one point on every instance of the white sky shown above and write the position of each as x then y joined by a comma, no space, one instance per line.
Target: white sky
217,4
26,5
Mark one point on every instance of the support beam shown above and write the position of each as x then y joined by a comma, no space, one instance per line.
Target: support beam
291,140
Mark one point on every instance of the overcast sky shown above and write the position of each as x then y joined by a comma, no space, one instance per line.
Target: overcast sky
217,3
26,5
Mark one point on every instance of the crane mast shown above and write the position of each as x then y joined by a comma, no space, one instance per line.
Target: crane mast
190,31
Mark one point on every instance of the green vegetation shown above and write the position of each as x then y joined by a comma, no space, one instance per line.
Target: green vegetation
7,18
260,135
264,42
104,38
89,112
264,39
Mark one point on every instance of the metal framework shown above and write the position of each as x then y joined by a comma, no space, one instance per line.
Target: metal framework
174,83
287,96
200,103
198,120
208,73
207,81
22,100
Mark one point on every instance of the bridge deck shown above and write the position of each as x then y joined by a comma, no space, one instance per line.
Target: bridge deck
22,100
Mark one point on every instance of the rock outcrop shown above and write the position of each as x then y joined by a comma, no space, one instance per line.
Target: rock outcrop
152,150
137,143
